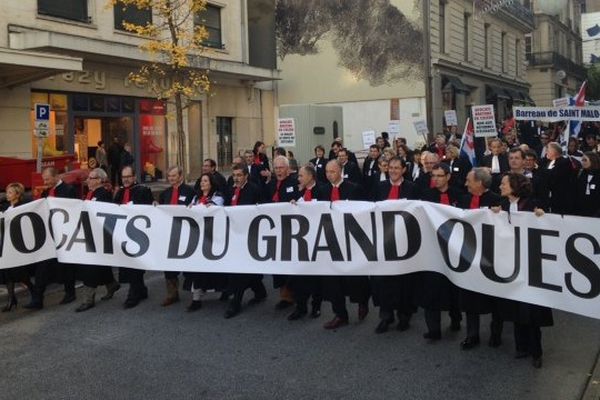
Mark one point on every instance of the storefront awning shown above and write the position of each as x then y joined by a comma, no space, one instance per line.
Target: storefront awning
456,83
18,67
494,91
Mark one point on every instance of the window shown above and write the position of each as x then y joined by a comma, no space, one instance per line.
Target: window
224,141
503,53
487,37
528,45
467,36
131,14
442,27
211,20
75,10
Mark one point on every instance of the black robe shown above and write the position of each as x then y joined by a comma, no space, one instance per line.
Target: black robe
557,186
96,275
470,301
588,205
356,287
320,164
186,195
138,194
435,291
395,292
518,311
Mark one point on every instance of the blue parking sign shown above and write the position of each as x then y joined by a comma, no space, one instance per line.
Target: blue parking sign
42,112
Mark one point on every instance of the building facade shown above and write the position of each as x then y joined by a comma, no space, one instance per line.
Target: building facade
477,57
76,56
554,51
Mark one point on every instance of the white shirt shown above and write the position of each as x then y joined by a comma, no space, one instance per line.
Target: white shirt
495,165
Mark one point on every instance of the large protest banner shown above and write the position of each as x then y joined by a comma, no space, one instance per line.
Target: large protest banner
553,114
521,256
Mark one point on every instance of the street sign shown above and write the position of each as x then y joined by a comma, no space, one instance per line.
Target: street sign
42,112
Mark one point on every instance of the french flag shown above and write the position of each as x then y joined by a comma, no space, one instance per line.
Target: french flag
467,144
577,101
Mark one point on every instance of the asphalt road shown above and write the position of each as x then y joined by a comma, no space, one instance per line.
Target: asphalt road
152,352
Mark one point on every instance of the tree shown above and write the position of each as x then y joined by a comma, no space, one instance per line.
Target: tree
175,37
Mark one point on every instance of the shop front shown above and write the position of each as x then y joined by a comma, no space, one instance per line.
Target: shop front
131,129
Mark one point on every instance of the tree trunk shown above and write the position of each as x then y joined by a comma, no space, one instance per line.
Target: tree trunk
181,159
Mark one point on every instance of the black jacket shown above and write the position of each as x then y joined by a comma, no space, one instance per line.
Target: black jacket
138,194
320,164
250,194
348,191
408,190
288,190
186,195
63,190
587,205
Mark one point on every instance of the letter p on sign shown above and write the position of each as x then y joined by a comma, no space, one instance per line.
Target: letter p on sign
42,112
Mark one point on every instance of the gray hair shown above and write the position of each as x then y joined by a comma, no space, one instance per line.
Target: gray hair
100,173
282,159
483,175
177,167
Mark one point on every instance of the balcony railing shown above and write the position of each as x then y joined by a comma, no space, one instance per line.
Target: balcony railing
555,60
514,11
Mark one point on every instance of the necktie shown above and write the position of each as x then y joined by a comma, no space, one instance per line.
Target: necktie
236,196
335,193
495,165
474,202
52,192
276,194
174,196
89,195
394,193
444,199
126,196
307,195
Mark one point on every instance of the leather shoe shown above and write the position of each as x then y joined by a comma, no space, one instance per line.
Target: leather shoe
469,343
256,300
335,323
296,315
232,311
315,313
403,325
84,307
363,311
383,326
224,296
111,288
131,302
537,362
495,341
432,336
283,304
69,298
34,306
194,305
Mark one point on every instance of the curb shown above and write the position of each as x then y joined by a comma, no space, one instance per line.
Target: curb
592,388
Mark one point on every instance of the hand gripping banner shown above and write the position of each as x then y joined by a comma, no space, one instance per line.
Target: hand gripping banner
549,260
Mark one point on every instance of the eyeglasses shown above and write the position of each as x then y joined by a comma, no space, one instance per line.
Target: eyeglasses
126,176
438,176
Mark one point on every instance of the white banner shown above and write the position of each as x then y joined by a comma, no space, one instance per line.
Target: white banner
525,258
553,114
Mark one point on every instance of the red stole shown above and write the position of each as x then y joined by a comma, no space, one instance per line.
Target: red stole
307,195
236,196
444,199
474,202
126,196
175,196
394,193
89,195
276,194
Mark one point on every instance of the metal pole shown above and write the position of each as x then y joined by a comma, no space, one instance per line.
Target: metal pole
40,151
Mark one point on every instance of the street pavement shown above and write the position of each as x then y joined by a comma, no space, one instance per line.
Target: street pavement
151,352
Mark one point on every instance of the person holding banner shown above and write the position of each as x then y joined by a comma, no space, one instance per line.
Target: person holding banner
395,293
44,271
472,303
435,292
587,189
198,282
95,275
178,194
517,191
133,193
305,286
336,288
243,192
282,189
10,276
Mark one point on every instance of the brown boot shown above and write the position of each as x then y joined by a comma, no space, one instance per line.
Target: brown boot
172,292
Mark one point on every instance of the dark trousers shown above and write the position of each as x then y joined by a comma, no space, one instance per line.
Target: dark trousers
528,338
473,325
387,314
44,274
137,288
303,288
172,274
338,305
433,319
255,284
